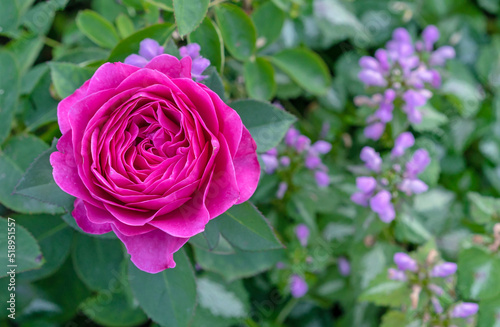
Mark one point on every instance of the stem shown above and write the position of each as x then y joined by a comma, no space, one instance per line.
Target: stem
215,3
286,310
52,43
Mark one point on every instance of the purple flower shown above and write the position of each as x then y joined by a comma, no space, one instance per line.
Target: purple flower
366,184
396,274
464,310
403,141
282,188
298,286
285,161
405,262
149,49
302,232
444,269
272,152
374,131
382,58
438,308
417,164
430,35
368,62
372,159
436,289
372,78
291,136
439,57
360,198
302,143
344,266
199,64
280,265
382,205
312,161
270,163
413,186
321,147
322,178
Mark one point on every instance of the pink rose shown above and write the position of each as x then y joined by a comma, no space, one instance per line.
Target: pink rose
153,156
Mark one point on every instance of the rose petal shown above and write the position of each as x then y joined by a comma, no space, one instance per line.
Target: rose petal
170,66
80,215
154,251
109,76
65,105
247,167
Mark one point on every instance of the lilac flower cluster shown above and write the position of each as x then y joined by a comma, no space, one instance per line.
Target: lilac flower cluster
408,268
298,145
377,192
150,48
405,71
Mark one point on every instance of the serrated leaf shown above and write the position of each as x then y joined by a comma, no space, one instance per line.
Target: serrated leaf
483,208
245,228
189,14
266,123
27,254
305,67
237,29
69,77
209,38
259,79
168,297
383,291
97,29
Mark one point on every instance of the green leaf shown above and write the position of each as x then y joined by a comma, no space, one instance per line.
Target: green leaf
259,79
27,254
9,16
125,25
431,119
69,77
9,89
214,82
189,14
465,96
97,29
394,319
268,20
166,5
245,228
168,297
489,313
266,123
12,167
208,37
97,261
220,303
483,208
237,29
478,274
26,50
38,183
238,265
114,309
130,45
385,292
305,67
54,238
410,229
209,238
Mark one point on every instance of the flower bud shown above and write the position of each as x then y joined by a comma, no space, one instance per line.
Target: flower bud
405,262
464,310
444,269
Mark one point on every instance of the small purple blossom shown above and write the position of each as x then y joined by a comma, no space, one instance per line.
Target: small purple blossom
148,49
438,308
321,147
374,131
395,274
285,161
382,205
199,64
302,233
412,186
291,136
441,55
464,310
282,188
403,141
344,266
302,143
312,161
436,289
405,262
417,164
322,178
444,269
270,163
372,159
298,286
366,184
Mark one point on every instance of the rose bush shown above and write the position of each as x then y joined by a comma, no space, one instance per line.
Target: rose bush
152,156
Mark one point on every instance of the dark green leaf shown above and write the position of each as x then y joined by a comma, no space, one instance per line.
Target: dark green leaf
125,25
209,238
259,79
25,49
69,77
214,83
189,14
266,123
237,29
97,261
305,67
130,45
97,29
168,297
268,20
208,37
483,208
383,291
245,228
9,89
27,254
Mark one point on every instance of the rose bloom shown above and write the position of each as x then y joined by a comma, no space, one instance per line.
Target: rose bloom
152,156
